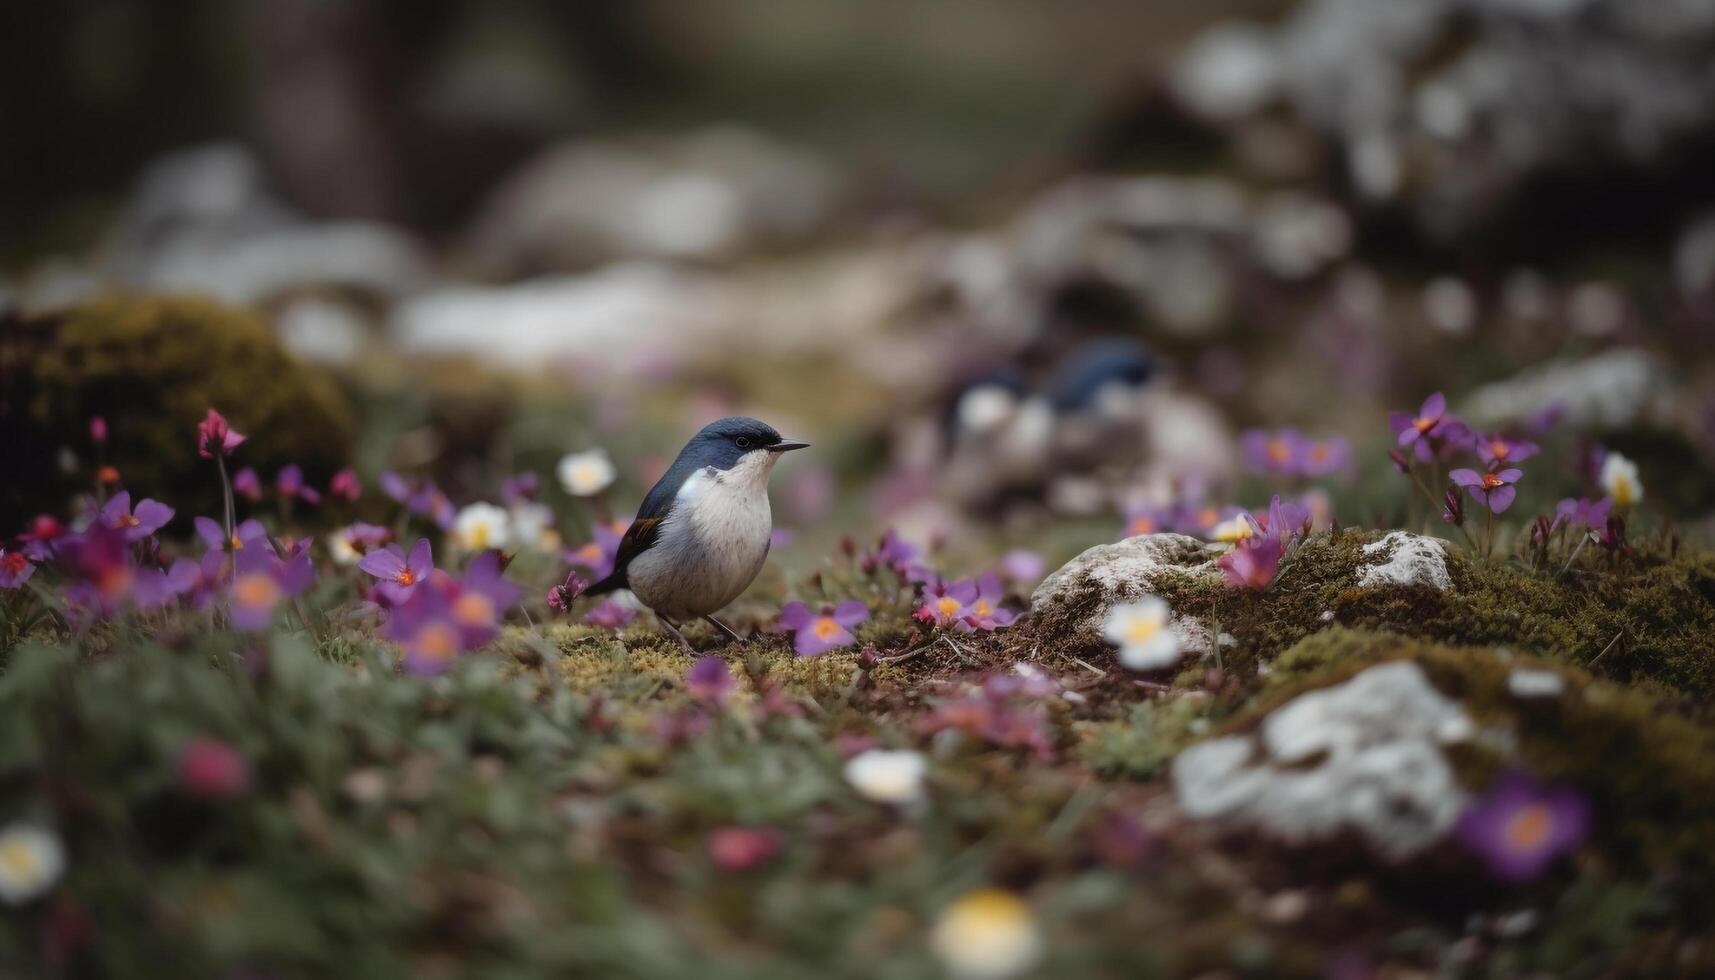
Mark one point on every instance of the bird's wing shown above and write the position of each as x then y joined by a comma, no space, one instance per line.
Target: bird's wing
644,530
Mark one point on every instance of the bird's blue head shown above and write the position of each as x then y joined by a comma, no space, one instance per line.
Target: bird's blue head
725,443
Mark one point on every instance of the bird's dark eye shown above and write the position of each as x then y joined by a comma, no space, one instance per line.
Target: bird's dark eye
743,442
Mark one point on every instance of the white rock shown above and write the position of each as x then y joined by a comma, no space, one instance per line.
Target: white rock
1612,390
1525,683
1125,571
1379,769
1403,558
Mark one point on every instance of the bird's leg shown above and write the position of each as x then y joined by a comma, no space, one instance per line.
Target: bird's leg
674,629
724,628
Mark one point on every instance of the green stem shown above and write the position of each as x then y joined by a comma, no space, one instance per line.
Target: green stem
226,489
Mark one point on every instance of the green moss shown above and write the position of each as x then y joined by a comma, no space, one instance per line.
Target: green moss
1645,619
1647,768
1141,745
152,367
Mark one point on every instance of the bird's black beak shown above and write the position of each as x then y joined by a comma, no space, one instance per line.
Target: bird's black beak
787,445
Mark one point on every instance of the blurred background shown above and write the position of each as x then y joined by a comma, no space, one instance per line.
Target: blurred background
1021,266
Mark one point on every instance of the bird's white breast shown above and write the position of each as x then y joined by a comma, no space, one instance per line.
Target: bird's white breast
712,544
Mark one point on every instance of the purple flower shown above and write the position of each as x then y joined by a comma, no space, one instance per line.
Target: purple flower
100,566
896,552
610,615
148,518
816,633
1585,512
479,600
984,613
290,483
1021,566
598,553
400,576
1285,520
519,488
1495,490
1252,564
710,680
421,497
1519,828
15,568
245,534
1323,457
424,628
1145,520
1280,452
261,579
247,484
1411,428
1498,450
156,587
944,602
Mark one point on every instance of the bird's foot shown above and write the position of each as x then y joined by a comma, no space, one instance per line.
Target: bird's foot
674,629
724,628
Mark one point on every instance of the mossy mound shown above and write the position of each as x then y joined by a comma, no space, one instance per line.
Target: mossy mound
152,366
1643,619
1646,766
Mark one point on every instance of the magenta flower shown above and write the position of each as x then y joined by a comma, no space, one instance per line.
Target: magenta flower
215,437
984,613
290,483
736,850
345,485
1022,567
1252,564
97,429
15,568
1497,450
101,570
400,576
247,533
944,602
43,538
148,518
1495,490
1519,828
247,484
710,680
1280,452
1284,521
212,769
609,614
1584,512
1411,428
479,600
261,580
816,633
560,596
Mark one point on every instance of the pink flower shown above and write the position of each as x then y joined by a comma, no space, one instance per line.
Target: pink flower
400,576
15,568
247,484
97,429
1495,490
735,850
345,485
1253,564
560,596
710,680
212,769
290,482
215,437
816,633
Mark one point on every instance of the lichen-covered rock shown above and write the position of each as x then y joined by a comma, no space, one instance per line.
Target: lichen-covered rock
1403,558
1071,605
152,367
1363,756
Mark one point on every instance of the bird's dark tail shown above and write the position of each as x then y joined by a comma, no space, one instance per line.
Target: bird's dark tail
612,583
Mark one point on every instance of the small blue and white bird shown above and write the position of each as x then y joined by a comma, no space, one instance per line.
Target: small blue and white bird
703,531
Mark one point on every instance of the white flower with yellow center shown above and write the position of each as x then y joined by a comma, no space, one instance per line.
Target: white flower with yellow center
1233,531
888,775
587,473
1142,632
1620,481
481,526
533,526
988,934
31,861
340,548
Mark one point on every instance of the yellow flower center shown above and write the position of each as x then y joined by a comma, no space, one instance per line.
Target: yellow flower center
1208,516
256,590
982,608
237,545
1499,449
474,609
1141,525
946,606
19,861
1491,481
1278,451
826,628
1424,424
1528,829
406,577
130,520
591,551
437,641
1140,631
1319,454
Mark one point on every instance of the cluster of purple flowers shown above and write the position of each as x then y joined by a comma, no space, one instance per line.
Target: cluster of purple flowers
1288,452
1004,709
968,605
1255,558
432,615
420,497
